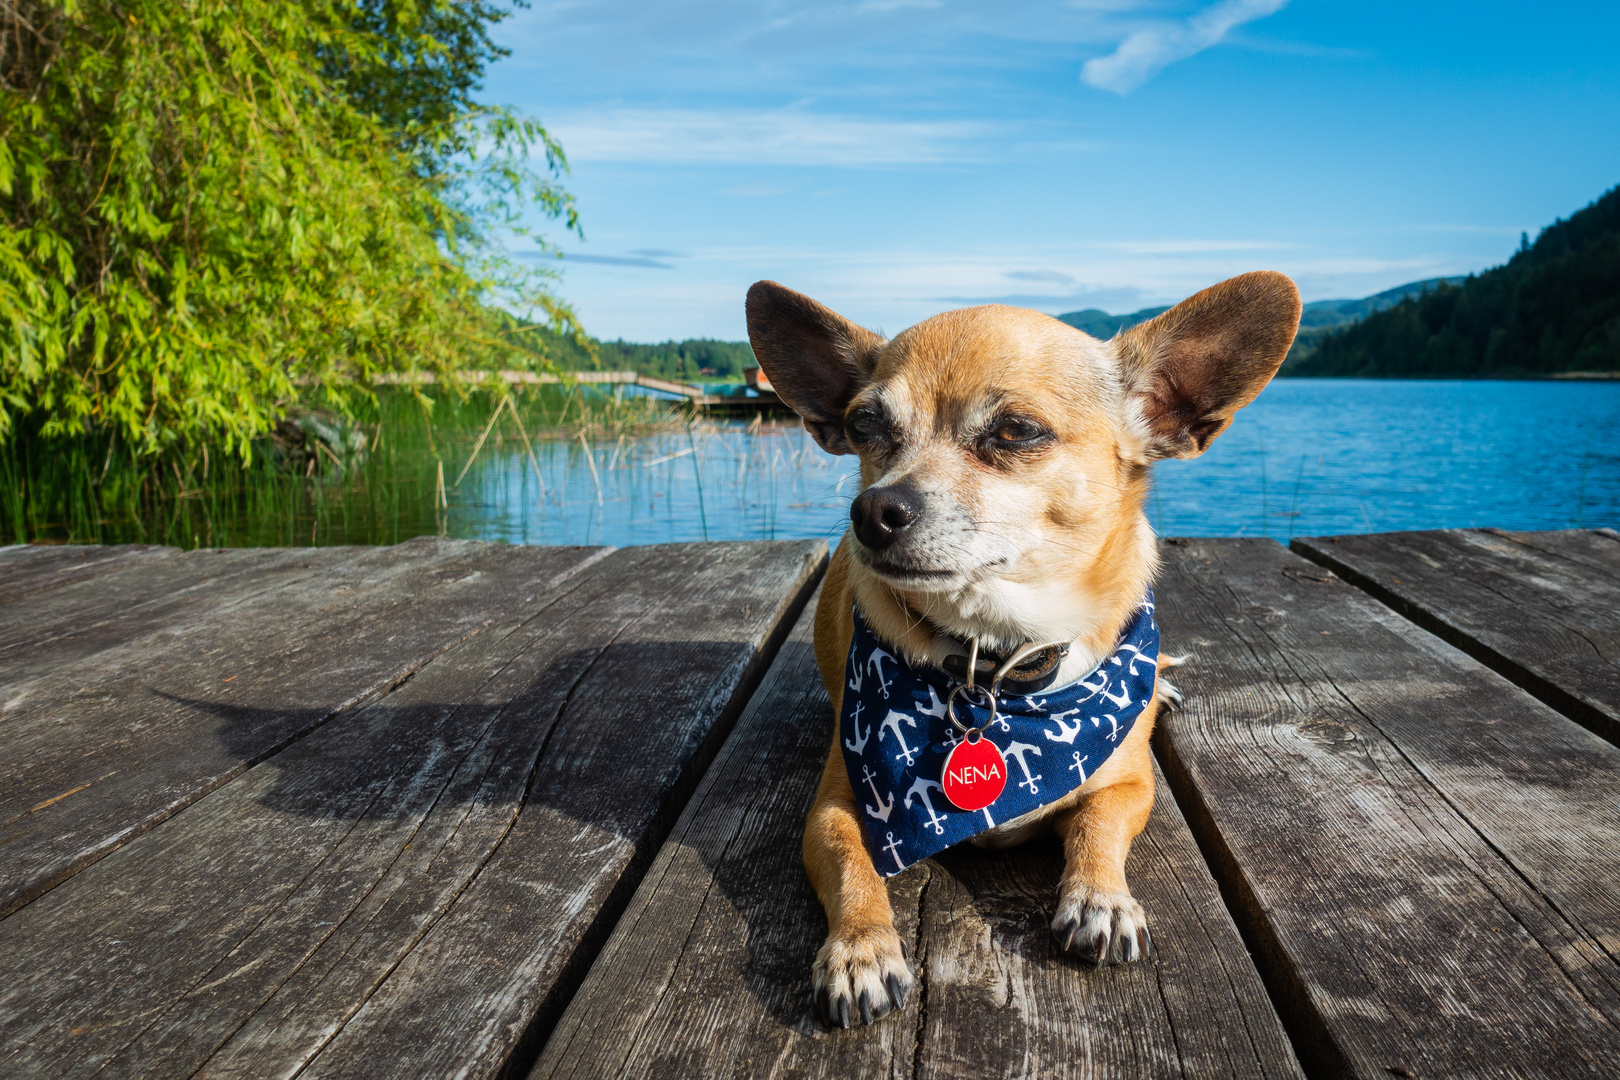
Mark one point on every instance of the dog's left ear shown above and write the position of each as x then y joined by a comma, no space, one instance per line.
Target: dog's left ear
815,358
1189,370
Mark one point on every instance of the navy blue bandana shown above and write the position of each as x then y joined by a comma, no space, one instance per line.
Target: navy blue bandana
895,737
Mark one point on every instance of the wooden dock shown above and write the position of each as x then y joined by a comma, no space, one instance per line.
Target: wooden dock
680,393
464,809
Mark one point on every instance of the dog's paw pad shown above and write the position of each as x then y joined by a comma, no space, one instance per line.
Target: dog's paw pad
860,976
1102,927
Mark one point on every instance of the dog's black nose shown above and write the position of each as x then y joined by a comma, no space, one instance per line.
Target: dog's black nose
881,514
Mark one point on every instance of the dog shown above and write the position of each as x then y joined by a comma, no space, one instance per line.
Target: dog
1004,460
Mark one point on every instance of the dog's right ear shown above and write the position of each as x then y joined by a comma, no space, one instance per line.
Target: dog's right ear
814,357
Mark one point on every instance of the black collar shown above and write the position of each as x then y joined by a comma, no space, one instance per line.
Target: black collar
1037,672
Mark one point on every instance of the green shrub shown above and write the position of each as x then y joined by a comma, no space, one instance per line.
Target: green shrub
210,211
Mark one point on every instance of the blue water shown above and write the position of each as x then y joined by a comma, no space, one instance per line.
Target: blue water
1309,457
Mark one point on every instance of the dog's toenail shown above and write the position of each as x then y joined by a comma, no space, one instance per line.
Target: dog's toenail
843,1012
866,1007
895,995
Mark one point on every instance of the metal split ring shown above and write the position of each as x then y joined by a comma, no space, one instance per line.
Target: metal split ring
969,688
990,694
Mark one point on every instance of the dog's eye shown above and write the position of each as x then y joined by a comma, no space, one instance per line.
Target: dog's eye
1016,432
865,427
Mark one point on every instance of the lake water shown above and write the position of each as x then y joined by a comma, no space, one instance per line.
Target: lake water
1309,457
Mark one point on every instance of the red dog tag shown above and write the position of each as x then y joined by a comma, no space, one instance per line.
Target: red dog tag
975,773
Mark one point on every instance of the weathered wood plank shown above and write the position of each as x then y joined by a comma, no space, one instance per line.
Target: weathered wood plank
1541,608
43,632
26,569
96,750
1420,854
238,938
623,759
707,974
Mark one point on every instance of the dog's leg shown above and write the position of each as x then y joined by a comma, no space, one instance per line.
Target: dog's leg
860,971
1097,917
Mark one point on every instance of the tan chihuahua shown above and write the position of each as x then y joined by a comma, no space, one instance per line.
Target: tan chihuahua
1005,457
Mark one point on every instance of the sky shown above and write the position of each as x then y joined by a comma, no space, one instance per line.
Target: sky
898,158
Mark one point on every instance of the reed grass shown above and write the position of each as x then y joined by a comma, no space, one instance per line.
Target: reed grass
94,489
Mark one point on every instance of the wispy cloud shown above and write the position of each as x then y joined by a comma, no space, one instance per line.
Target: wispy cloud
613,260
1057,277
1117,299
1147,51
759,137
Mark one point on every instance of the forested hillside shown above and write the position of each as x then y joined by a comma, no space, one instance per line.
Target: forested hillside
1553,308
693,360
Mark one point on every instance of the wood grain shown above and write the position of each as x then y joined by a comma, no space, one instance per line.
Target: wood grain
109,730
1542,608
1420,855
26,569
240,936
707,974
623,759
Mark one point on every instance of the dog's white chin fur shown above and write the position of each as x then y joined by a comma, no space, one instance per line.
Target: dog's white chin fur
1001,612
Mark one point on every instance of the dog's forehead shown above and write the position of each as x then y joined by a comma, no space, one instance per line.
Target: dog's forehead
976,358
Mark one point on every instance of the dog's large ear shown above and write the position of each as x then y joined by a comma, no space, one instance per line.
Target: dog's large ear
814,357
1189,370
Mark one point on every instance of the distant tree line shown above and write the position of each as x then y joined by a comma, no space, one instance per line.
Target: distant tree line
1553,307
692,360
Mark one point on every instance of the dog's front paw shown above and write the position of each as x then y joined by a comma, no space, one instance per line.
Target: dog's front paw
1102,927
860,975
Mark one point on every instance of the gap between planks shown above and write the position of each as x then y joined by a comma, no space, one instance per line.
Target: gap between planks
1543,687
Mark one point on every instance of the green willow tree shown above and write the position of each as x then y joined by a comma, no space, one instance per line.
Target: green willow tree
211,211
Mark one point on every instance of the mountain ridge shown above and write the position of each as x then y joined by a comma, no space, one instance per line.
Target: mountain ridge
1317,319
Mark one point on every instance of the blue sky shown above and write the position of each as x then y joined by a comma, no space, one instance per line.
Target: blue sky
896,158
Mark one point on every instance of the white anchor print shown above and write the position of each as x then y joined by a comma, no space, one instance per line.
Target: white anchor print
875,662
1137,656
1122,699
1080,765
854,676
1017,750
888,807
858,744
1113,736
935,707
892,722
1066,732
919,787
1102,683
891,847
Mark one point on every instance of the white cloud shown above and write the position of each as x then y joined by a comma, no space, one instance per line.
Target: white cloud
1148,51
759,137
